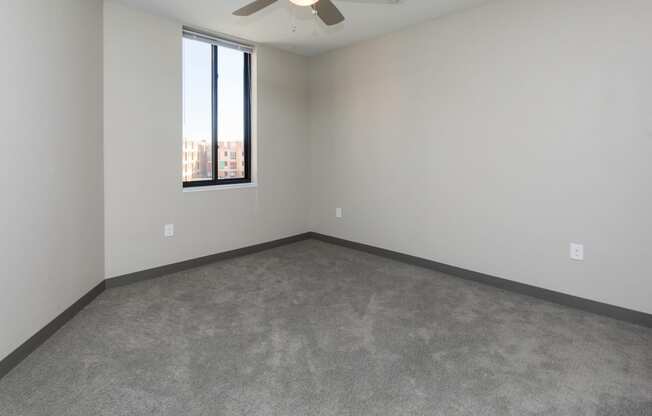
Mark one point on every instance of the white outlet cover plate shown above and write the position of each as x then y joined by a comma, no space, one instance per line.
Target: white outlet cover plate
577,251
168,230
338,212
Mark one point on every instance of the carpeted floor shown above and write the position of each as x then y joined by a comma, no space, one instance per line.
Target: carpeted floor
315,329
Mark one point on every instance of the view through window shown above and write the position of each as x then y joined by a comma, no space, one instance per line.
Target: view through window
216,113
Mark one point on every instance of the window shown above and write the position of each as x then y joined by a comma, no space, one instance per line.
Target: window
216,111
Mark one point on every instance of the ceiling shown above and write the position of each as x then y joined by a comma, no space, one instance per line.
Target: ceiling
294,28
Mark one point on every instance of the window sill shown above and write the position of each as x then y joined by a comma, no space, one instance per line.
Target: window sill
220,187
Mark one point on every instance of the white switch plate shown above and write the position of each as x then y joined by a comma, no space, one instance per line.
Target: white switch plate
338,212
168,230
577,251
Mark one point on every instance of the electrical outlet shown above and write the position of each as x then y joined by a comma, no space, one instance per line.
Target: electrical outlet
338,212
168,230
577,251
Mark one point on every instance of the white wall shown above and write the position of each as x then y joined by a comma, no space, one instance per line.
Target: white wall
142,152
51,250
488,140
493,138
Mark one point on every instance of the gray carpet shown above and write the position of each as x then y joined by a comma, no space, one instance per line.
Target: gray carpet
316,329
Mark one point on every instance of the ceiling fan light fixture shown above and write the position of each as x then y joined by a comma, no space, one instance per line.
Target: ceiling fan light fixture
324,9
304,2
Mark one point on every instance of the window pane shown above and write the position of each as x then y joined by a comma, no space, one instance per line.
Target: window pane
230,132
197,111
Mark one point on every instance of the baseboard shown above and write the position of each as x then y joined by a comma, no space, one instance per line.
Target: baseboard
22,352
131,278
616,312
604,309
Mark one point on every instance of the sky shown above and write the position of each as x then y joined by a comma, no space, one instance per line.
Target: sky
197,92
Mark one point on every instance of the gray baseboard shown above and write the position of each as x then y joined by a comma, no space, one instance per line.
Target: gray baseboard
130,278
604,309
23,351
20,353
616,312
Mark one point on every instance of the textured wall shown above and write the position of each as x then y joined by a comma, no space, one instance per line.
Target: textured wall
493,138
51,250
142,118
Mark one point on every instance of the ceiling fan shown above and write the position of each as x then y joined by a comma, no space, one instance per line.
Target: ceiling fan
325,9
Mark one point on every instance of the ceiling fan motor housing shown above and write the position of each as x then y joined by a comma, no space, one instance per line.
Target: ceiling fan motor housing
304,2
325,9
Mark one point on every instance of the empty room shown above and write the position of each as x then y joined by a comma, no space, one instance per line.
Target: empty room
326,207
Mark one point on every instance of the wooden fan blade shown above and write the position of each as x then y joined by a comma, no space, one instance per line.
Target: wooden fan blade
328,12
252,8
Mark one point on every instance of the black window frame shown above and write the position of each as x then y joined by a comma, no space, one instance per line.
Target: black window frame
215,127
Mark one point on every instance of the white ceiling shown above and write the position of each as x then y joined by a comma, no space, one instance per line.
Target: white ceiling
295,28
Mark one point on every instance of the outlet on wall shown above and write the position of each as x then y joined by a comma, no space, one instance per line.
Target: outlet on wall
577,251
338,212
168,230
